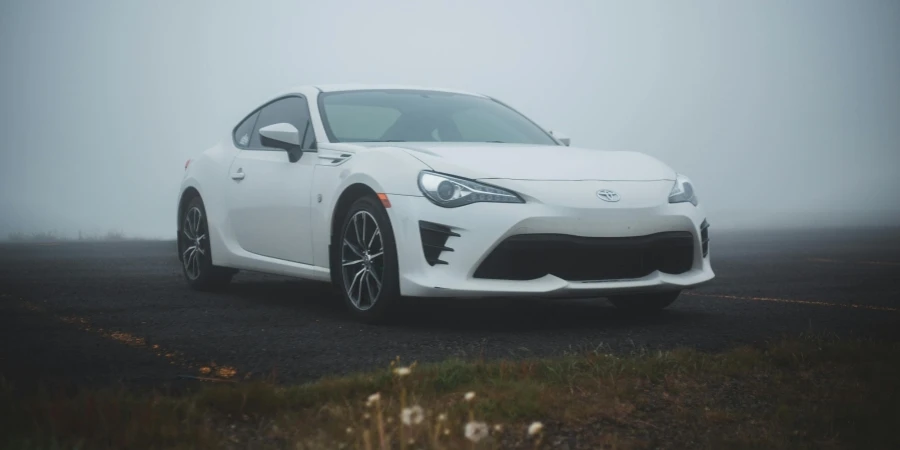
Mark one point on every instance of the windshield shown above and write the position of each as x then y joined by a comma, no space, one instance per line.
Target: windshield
423,116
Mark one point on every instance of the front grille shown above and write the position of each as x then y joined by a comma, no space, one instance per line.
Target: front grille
704,237
434,241
573,258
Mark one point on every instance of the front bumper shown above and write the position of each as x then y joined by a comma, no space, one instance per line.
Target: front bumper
473,232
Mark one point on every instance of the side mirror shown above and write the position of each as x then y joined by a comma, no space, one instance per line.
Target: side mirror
280,135
561,138
284,136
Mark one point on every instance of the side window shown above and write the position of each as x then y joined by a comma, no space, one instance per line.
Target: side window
243,131
292,110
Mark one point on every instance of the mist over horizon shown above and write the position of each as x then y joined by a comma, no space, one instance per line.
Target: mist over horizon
782,113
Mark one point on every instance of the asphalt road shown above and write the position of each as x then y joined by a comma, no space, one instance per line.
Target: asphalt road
118,312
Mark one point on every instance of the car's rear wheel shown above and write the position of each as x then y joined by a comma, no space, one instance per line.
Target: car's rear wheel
194,248
368,274
644,303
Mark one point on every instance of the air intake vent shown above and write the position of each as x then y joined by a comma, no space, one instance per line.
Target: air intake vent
434,241
704,237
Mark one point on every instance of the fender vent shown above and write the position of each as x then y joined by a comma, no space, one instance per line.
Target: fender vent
434,241
704,237
333,158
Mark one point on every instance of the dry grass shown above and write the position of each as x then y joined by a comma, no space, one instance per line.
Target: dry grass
54,236
811,392
41,236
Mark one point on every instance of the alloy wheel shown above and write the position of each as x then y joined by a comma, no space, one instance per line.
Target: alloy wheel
195,236
362,260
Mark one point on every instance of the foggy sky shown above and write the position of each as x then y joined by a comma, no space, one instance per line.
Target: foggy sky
778,110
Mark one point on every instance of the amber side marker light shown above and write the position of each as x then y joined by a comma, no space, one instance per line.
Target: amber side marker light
384,200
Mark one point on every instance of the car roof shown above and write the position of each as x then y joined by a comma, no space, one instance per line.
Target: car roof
361,87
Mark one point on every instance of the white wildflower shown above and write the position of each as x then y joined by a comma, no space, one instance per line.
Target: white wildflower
402,371
413,415
470,396
535,428
349,430
498,428
442,417
373,399
476,431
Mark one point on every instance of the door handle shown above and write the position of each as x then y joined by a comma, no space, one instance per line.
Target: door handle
239,175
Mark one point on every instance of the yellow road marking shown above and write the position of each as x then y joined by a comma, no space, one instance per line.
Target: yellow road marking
873,263
881,263
226,373
799,302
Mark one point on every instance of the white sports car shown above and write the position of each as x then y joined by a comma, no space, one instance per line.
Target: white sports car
392,192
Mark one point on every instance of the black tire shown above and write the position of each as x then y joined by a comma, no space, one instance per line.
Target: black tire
196,266
358,281
644,303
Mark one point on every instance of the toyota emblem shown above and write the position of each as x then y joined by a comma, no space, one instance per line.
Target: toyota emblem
607,195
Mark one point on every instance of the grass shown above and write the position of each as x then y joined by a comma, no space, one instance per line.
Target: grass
812,392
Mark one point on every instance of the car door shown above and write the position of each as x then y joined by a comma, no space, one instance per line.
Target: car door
269,196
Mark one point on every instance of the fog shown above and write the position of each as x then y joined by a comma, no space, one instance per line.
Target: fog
782,112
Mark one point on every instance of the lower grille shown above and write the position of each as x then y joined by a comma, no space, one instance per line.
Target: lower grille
573,258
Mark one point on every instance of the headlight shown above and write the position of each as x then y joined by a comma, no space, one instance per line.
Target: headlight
683,191
450,192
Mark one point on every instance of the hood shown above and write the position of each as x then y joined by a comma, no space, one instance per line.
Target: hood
537,162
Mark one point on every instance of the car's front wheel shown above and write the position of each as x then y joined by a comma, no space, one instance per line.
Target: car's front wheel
644,303
194,248
368,274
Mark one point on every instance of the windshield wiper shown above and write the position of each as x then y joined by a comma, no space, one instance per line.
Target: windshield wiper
390,140
497,142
